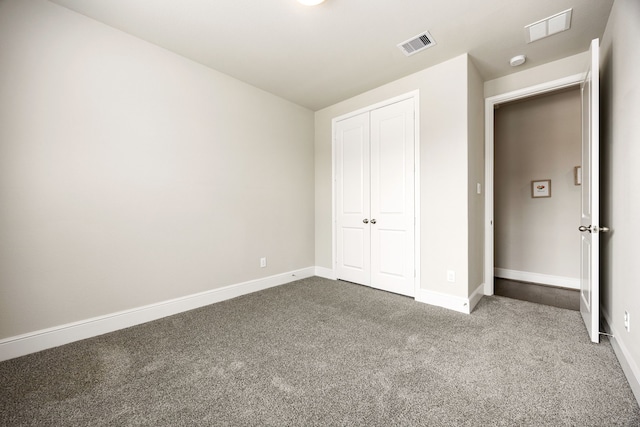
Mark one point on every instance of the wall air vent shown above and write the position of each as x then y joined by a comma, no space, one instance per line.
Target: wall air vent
417,44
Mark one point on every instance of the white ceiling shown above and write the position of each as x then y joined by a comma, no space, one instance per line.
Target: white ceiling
317,56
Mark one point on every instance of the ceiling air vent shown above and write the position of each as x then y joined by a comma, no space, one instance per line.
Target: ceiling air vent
417,43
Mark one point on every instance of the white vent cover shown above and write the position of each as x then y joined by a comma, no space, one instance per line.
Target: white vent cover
417,43
548,26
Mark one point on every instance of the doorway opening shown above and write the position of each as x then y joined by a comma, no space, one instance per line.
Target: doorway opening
524,190
537,146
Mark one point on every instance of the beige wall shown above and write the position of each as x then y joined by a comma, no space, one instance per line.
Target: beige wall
476,225
571,65
539,138
129,175
620,152
444,133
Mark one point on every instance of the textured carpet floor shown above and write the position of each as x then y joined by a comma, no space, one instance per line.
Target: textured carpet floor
320,352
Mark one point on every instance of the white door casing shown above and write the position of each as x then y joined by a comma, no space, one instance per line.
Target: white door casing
374,195
590,205
490,103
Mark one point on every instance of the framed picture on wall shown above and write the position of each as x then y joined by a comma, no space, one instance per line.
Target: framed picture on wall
541,188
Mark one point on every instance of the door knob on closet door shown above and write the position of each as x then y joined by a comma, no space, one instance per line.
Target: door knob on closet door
366,221
373,221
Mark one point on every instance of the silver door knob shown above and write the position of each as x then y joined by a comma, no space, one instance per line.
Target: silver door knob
583,228
373,221
366,221
601,229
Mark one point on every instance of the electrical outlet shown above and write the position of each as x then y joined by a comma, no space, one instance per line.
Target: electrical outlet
263,262
451,276
627,321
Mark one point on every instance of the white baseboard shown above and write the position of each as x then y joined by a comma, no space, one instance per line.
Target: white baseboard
462,305
629,366
545,279
326,273
52,337
475,297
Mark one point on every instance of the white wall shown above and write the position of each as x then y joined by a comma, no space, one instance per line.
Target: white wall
130,175
444,100
620,153
539,138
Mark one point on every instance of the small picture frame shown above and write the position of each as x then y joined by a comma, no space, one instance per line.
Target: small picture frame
541,188
577,175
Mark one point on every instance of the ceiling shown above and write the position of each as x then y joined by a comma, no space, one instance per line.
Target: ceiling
317,56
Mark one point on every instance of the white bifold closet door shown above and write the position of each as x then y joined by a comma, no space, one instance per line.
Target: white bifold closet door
375,198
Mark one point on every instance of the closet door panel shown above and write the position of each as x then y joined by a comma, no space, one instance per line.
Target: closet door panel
392,263
353,199
392,198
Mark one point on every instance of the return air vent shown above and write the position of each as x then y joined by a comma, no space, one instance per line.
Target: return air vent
417,43
548,26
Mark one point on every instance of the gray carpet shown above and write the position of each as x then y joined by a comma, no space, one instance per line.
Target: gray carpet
320,352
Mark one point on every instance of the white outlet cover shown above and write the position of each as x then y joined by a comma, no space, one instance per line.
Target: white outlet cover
451,276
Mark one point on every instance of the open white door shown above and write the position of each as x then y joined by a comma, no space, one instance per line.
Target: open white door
590,206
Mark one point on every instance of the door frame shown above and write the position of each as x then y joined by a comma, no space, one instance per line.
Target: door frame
415,96
489,105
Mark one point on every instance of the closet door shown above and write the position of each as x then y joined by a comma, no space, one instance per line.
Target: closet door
375,198
392,198
353,239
